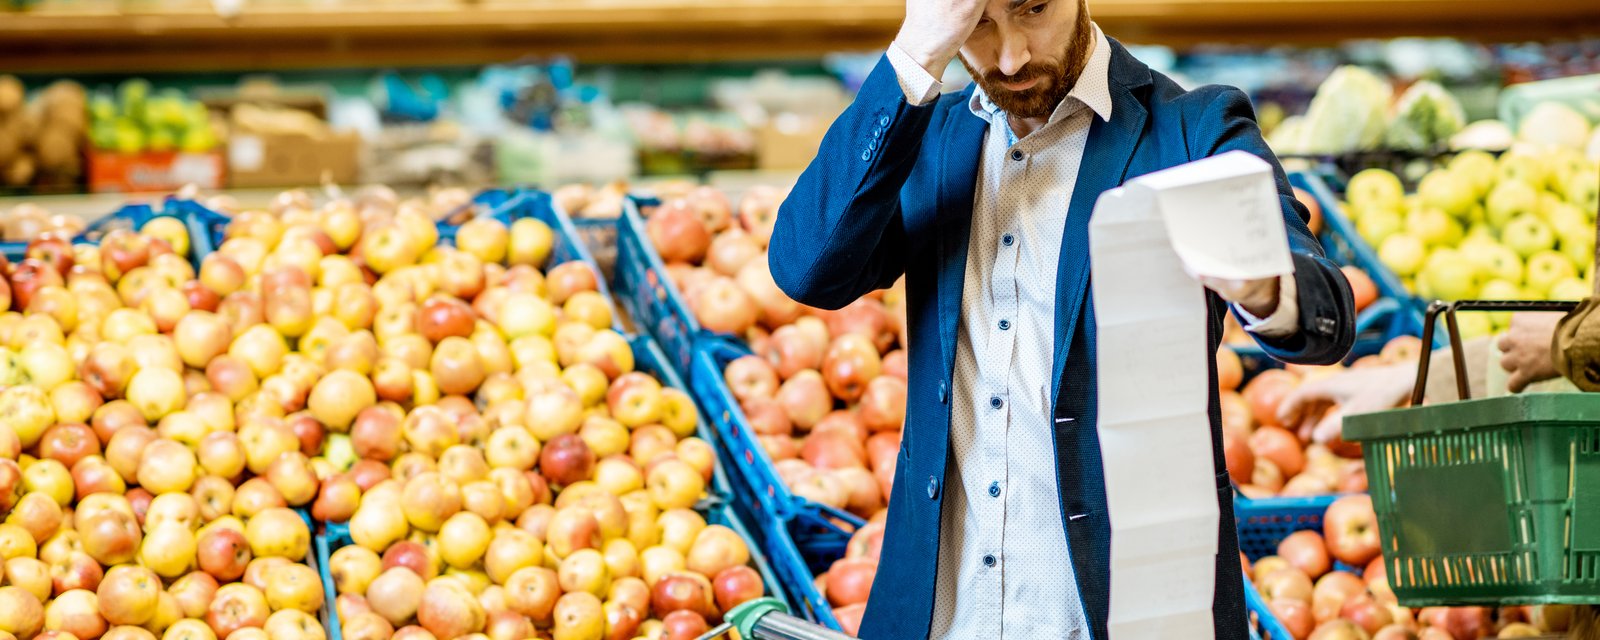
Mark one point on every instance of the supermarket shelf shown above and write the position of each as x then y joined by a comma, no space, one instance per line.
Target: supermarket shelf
87,36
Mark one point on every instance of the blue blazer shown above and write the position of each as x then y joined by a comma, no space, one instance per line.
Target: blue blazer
891,193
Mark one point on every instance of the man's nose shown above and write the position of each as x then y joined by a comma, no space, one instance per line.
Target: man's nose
1013,53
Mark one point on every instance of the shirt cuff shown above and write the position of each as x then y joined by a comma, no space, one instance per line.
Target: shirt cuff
1283,322
919,86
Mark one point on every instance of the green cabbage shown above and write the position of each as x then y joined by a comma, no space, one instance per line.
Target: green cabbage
1349,113
1426,116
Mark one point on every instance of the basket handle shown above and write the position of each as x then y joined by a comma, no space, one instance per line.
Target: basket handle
1449,309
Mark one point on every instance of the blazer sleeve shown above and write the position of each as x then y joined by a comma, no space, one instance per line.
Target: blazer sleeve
839,234
1327,309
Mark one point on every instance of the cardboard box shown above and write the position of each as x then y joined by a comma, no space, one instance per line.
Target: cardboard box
146,171
790,141
287,160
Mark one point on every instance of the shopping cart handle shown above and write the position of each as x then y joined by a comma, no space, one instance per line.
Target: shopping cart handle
769,619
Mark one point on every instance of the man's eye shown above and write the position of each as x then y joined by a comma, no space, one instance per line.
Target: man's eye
1037,9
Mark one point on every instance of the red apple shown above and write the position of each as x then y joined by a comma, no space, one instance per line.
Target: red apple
678,232
1351,528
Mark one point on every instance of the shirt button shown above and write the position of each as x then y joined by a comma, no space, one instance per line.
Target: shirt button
872,146
933,488
1007,239
884,121
989,561
1016,154
865,155
1005,325
877,133
995,402
994,489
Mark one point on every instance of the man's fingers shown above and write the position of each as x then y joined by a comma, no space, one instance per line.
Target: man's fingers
1518,380
1506,343
1330,426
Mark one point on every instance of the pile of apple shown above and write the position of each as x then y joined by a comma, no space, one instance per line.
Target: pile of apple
333,356
1332,585
140,499
1520,227
825,392
1268,458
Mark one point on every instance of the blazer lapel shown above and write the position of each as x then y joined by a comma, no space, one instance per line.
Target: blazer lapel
958,177
1106,157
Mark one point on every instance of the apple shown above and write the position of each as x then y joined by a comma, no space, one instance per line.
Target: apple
1374,189
569,278
584,570
294,625
111,537
366,626
237,606
128,595
28,411
681,591
21,614
566,459
337,499
443,316
429,500
278,532
396,595
294,586
167,466
805,399
75,571
578,615
736,585
723,307
31,575
1351,529
532,592
1403,253
75,612
1527,235
224,553
1546,269
530,242
730,251
464,539
456,367
194,593
571,529
678,232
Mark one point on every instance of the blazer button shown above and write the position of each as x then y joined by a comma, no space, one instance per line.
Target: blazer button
865,155
933,488
944,392
884,121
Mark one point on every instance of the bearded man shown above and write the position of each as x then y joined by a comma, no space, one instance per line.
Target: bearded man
997,525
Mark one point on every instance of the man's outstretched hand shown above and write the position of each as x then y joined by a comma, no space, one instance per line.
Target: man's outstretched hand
1258,297
1350,392
935,30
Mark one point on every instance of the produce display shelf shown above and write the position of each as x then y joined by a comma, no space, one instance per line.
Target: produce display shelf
196,218
1487,501
717,509
104,35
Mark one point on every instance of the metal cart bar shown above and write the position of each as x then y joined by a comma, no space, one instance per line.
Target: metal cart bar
769,619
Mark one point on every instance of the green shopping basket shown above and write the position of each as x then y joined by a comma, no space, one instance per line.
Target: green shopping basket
1491,501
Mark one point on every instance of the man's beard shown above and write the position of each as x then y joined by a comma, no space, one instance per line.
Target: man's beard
1057,77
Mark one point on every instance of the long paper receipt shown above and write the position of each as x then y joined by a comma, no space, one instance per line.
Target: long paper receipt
1216,217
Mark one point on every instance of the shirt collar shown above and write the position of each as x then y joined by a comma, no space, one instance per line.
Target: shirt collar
1093,88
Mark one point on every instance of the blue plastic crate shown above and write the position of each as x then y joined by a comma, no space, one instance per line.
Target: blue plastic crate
654,303
1265,522
510,206
754,476
133,217
1346,247
489,202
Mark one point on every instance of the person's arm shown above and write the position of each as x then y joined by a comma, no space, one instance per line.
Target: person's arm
839,234
1324,312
